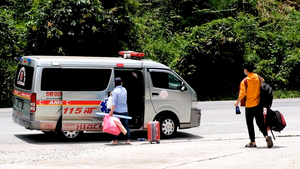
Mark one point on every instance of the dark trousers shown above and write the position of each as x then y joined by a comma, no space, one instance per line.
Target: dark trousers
125,123
257,113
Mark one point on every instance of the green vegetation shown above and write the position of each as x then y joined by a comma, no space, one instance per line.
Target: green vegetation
281,94
12,43
205,41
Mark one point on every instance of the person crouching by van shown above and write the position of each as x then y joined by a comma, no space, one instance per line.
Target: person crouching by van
119,107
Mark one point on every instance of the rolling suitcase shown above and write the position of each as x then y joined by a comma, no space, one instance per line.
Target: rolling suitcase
153,130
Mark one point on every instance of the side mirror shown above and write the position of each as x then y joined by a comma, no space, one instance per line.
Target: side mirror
183,88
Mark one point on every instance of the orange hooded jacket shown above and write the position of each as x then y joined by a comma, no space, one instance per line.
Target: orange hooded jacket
253,90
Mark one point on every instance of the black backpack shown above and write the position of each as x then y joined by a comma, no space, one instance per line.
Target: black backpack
275,121
266,94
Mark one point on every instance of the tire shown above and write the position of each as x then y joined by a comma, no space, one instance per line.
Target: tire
70,135
168,126
49,132
66,135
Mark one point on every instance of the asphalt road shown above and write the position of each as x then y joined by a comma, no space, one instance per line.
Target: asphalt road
220,138
218,117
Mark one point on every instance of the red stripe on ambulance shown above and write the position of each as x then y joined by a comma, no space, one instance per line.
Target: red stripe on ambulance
49,102
22,94
81,102
69,102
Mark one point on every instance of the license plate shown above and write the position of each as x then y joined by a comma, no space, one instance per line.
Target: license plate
20,105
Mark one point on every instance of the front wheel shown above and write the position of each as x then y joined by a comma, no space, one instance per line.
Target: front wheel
168,127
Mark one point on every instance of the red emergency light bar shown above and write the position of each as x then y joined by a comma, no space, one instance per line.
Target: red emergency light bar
120,65
131,53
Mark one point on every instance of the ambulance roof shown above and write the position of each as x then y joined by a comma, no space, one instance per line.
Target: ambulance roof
81,61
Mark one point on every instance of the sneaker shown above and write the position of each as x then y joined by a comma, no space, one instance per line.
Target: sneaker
127,142
114,142
269,141
250,145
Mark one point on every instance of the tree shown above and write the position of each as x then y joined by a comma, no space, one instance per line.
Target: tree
80,27
11,48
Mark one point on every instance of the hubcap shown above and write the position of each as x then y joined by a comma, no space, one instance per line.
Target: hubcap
71,134
168,127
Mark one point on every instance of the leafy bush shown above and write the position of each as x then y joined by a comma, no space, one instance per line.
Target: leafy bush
205,41
272,43
11,47
7,70
210,56
80,27
214,59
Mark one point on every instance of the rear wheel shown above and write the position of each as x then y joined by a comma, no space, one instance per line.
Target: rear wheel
71,134
48,132
168,126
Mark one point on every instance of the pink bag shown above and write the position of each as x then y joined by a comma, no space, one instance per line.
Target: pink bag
120,125
109,125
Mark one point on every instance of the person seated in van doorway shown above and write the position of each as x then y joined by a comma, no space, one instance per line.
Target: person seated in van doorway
119,107
253,108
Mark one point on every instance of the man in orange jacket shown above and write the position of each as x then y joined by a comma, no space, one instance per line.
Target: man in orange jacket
253,108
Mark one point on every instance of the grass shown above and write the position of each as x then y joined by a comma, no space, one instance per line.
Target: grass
284,94
278,94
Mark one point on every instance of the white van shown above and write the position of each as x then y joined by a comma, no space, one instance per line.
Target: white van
62,94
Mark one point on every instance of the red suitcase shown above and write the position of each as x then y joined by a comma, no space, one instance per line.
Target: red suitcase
153,130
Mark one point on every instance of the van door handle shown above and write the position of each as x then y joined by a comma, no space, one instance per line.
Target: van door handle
155,94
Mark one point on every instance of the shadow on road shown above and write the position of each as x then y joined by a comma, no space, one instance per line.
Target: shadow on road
94,138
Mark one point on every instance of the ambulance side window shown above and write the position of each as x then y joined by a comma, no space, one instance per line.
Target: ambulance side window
160,80
174,83
165,80
51,79
71,79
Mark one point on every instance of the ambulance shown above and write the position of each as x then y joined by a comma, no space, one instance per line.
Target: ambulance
64,94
